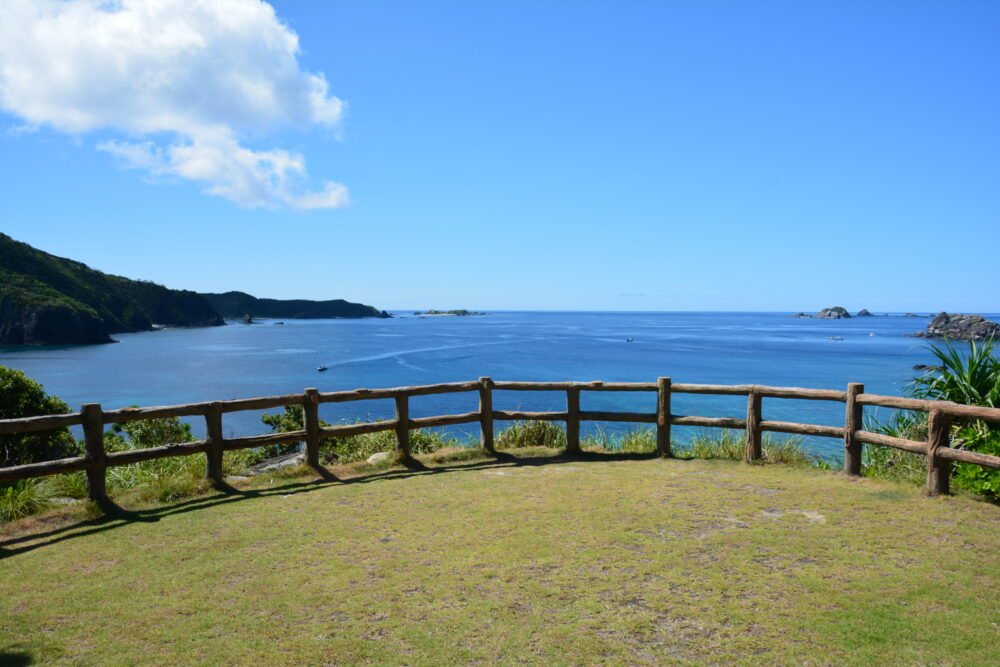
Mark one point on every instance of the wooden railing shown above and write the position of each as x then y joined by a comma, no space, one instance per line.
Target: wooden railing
97,460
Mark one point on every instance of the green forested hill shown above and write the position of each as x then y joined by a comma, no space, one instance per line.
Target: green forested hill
238,304
48,300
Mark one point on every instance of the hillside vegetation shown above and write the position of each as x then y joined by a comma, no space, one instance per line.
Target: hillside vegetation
49,300
238,304
532,558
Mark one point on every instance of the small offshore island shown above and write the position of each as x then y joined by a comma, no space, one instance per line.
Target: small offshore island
49,300
461,312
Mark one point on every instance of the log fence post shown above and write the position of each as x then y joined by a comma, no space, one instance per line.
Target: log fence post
753,451
403,426
938,470
310,421
663,417
213,434
853,423
573,420
486,414
93,437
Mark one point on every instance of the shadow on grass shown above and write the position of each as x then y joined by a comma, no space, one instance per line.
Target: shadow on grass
116,516
15,658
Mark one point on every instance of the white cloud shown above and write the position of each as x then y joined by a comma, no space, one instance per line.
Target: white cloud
184,79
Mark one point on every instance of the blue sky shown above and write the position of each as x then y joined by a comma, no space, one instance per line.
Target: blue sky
700,155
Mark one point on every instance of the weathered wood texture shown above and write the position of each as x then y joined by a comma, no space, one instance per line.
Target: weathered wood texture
853,421
802,429
573,420
361,428
93,439
43,423
44,468
310,420
753,452
131,456
938,469
663,417
870,438
946,407
519,415
251,441
711,422
725,389
964,456
216,443
444,420
403,426
486,414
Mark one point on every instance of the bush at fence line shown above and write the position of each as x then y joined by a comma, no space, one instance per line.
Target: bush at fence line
969,377
20,396
349,449
530,434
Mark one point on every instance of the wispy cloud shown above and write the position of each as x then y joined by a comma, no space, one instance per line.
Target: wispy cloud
185,81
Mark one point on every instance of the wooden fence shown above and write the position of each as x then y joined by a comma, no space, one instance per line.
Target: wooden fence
96,461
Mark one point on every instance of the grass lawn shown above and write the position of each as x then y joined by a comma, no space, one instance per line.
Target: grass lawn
528,559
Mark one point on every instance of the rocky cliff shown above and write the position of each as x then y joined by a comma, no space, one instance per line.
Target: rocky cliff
957,326
49,300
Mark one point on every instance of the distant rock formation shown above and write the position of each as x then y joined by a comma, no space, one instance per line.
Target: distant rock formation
835,313
802,315
911,315
957,326
864,313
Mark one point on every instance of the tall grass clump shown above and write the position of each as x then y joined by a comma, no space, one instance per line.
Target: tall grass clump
530,434
729,444
970,376
21,498
640,440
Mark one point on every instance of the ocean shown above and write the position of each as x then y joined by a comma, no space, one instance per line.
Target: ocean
238,361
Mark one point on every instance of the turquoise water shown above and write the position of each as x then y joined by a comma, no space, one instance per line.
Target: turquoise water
236,361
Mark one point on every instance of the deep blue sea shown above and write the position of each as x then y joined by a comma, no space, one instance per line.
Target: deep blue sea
237,361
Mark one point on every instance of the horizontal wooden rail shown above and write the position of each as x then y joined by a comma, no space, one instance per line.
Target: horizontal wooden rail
509,415
870,438
711,422
265,440
946,407
139,455
394,392
361,428
636,417
802,429
532,386
123,415
43,423
95,463
444,420
733,389
44,468
803,394
965,456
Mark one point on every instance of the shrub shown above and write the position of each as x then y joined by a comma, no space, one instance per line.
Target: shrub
971,377
20,396
21,498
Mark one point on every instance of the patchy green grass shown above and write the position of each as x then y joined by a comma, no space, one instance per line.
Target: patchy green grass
529,558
